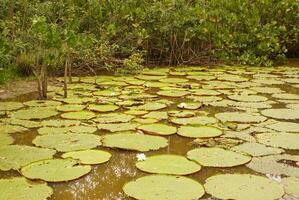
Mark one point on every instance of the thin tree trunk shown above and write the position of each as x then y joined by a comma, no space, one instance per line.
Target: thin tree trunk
44,81
70,72
65,77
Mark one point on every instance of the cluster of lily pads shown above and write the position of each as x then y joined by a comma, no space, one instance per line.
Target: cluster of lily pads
231,116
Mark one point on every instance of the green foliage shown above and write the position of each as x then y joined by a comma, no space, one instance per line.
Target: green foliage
115,36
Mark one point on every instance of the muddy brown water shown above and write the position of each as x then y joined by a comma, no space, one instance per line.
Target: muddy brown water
105,181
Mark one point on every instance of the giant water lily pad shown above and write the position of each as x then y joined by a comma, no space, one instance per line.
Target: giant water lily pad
19,188
113,118
103,108
70,107
284,126
164,187
243,187
240,117
5,139
151,106
280,139
173,80
118,127
286,96
55,170
21,122
275,164
189,106
173,93
6,128
131,141
72,129
60,123
200,120
9,106
80,115
159,115
158,129
248,98
199,131
89,157
107,93
68,142
281,113
205,92
256,149
16,156
217,157
42,103
291,186
35,113
267,90
168,164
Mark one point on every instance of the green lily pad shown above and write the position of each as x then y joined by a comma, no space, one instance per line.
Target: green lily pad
172,93
284,126
267,90
89,157
145,121
103,108
256,149
60,123
21,122
280,139
199,131
131,141
239,117
201,77
248,98
149,78
16,156
151,106
5,139
136,112
200,120
158,129
173,80
159,115
72,129
19,188
80,115
68,142
286,96
217,157
113,118
181,113
281,113
189,106
275,164
107,93
6,128
205,92
291,186
70,108
205,99
42,103
10,106
35,113
118,127
164,187
55,170
168,164
243,187
230,77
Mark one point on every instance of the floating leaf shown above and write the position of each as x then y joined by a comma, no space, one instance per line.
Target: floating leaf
70,108
200,120
205,92
55,170
107,93
103,108
72,129
16,156
80,115
131,141
113,118
190,106
89,157
243,187
19,188
35,113
217,157
4,129
267,90
281,113
286,96
279,139
284,126
60,123
275,164
159,115
146,120
68,142
5,139
21,122
181,113
118,127
151,106
10,106
173,80
168,164
256,149
164,187
199,131
239,117
42,103
248,98
291,186
158,129
172,93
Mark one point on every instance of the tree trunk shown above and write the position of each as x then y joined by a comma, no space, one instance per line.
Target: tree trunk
70,72
44,81
65,77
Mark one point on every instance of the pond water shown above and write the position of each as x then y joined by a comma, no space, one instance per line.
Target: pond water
235,84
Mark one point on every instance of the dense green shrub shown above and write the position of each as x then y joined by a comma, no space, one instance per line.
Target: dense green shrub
100,34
